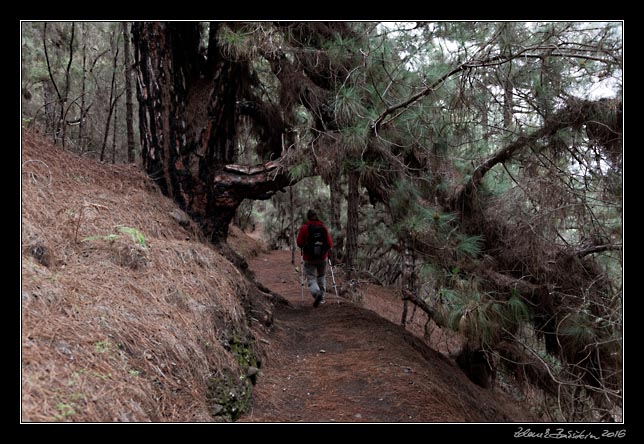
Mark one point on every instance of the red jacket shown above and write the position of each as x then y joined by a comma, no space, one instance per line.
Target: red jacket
303,235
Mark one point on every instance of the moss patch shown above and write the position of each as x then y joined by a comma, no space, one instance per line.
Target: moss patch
228,395
229,391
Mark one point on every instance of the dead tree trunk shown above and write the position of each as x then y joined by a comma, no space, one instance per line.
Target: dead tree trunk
48,111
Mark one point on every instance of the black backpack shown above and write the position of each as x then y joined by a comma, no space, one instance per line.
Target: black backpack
317,244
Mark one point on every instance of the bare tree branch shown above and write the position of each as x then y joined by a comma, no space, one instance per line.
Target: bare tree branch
597,249
431,313
51,76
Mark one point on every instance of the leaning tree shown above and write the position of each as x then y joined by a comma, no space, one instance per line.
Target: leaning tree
506,180
474,139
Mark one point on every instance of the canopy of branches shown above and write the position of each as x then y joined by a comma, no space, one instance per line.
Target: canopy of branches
489,152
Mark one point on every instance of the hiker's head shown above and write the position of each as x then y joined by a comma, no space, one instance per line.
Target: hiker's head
312,215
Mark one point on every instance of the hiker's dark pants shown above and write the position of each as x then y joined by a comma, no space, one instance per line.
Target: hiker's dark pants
315,272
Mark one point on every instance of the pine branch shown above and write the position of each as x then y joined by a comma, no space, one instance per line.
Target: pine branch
597,249
496,60
431,313
575,114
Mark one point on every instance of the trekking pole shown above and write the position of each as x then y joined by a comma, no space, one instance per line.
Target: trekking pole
302,280
335,287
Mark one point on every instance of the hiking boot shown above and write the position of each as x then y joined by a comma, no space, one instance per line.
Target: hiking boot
318,299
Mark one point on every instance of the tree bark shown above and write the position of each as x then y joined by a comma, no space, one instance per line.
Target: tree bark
112,101
431,313
187,118
508,99
336,204
291,211
352,223
408,275
129,109
63,119
114,131
48,111
81,124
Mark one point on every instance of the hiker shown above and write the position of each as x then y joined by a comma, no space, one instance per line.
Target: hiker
315,242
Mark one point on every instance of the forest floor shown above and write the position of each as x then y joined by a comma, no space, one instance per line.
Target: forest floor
113,330
344,362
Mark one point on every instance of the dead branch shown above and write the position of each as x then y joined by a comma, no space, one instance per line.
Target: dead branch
431,313
597,249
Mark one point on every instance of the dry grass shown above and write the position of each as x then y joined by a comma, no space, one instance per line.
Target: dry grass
116,328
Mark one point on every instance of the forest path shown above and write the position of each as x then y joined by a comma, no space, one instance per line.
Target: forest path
344,363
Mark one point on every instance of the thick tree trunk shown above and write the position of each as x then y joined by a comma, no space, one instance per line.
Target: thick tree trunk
129,109
187,120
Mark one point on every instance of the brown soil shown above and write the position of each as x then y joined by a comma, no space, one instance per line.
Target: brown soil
342,362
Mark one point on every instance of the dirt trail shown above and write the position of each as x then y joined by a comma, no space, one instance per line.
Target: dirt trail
343,363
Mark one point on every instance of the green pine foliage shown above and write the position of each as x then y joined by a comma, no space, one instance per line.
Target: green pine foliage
560,193
471,313
578,330
471,246
300,170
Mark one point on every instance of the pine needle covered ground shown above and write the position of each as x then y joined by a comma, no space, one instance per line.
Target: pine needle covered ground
126,314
